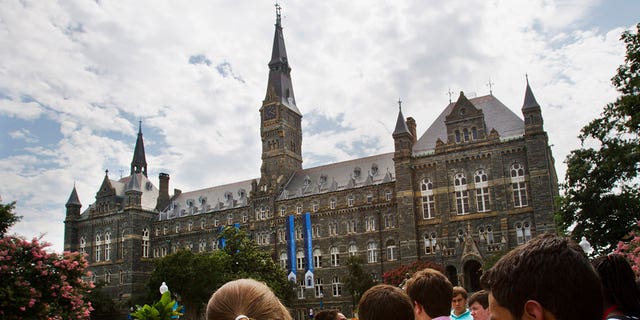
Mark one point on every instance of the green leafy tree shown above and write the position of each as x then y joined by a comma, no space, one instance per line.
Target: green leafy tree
601,192
358,280
7,217
193,277
103,306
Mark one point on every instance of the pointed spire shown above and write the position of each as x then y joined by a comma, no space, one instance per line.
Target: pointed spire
73,198
529,98
401,125
133,183
139,162
279,70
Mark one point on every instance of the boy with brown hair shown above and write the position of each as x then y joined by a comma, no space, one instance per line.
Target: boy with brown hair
431,293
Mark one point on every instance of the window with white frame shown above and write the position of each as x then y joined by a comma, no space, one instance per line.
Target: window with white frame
519,233
350,200
333,229
164,230
216,222
485,233
177,227
370,224
157,231
215,244
332,203
430,243
389,221
392,251
163,251
388,195
482,190
189,226
315,231
335,256
428,199
83,245
283,260
283,211
107,246
317,258
281,235
245,217
202,245
372,252
98,247
462,194
353,250
336,286
527,231
299,209
518,185
319,287
263,213
299,233
145,243
301,288
351,226
300,260
315,206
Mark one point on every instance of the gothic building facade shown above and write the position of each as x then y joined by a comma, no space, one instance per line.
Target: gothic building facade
479,181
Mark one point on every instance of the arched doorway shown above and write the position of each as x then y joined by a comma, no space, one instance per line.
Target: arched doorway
452,274
472,272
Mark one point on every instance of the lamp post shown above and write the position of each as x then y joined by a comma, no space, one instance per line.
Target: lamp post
163,288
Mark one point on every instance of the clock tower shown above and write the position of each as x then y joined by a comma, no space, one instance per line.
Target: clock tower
280,125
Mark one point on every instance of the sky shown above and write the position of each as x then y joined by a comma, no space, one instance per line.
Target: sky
76,77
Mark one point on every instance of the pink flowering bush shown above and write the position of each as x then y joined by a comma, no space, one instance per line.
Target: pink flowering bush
35,284
631,251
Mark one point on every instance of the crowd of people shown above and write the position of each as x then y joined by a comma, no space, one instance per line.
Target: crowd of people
549,277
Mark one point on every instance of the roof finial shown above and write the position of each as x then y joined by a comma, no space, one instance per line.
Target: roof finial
139,126
278,9
450,93
526,76
400,104
490,85
106,172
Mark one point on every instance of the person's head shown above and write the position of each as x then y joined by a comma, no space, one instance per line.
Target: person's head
326,314
431,293
341,316
384,301
247,297
549,277
459,300
479,305
618,283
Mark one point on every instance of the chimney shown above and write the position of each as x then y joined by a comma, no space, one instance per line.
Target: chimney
163,196
411,123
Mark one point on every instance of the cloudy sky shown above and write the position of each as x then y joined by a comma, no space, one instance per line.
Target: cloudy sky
77,76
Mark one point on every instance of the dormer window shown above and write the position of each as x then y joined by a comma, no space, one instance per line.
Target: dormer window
457,133
190,203
202,200
228,196
149,186
307,181
242,193
474,133
323,179
374,169
357,172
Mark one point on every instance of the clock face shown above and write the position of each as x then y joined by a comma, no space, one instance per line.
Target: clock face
269,112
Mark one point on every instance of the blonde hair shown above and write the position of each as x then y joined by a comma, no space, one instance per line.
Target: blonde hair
247,297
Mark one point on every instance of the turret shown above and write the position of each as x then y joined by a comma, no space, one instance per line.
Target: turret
139,162
402,137
533,122
70,222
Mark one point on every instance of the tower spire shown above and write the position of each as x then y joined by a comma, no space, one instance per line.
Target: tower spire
139,162
529,99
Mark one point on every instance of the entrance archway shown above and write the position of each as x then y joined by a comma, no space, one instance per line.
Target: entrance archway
472,272
452,274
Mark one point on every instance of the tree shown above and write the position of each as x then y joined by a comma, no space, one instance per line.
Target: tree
164,309
103,306
7,217
399,275
195,276
631,250
357,281
35,284
601,192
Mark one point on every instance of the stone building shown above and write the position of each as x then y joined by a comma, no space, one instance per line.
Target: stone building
479,181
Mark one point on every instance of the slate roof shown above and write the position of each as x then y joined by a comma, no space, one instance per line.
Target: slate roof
496,115
340,176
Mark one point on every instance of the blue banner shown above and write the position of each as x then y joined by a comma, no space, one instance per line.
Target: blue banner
307,241
291,241
223,241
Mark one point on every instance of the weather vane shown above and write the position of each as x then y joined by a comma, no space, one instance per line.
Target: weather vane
450,93
490,85
400,104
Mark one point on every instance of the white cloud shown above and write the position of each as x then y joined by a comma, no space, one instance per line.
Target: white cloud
96,68
23,134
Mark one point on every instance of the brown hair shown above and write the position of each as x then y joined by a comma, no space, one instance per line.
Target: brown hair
460,290
328,314
431,289
552,270
245,297
383,302
481,297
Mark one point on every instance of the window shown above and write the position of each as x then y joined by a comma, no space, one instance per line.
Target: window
229,219
145,243
177,228
107,246
315,206
332,203
83,245
428,200
281,235
283,260
462,194
388,195
370,224
372,252
283,211
122,245
333,229
482,190
245,217
317,258
353,250
519,233
474,133
336,286
164,230
391,251
518,186
157,231
107,277
122,277
430,243
465,132
299,209
301,290
299,233
389,221
315,231
202,223
202,245
350,200
335,256
319,288
527,231
189,226
98,247
369,198
300,260
351,226
457,133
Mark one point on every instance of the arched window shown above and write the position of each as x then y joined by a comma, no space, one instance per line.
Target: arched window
457,133
462,194
107,277
335,256
83,245
336,286
430,243
482,190
392,251
317,258
319,287
107,246
518,185
466,134
428,199
283,260
474,133
372,252
145,243
353,250
98,247
300,260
